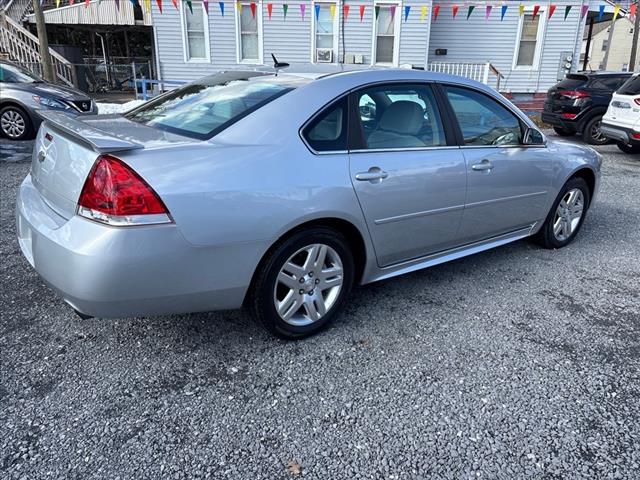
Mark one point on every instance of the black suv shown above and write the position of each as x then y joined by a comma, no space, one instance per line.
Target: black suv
577,103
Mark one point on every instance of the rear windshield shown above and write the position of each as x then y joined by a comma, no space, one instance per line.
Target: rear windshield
631,87
572,82
205,108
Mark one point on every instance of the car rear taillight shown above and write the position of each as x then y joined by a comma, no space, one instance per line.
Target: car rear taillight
116,195
574,94
636,101
570,116
635,136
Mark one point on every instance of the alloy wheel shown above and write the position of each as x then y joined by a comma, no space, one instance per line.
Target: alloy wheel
596,133
13,124
308,284
568,214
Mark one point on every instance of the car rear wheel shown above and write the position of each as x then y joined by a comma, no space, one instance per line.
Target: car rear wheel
566,216
563,132
302,284
15,123
629,148
592,134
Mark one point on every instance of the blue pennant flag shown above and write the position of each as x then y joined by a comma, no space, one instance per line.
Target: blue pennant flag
221,8
601,14
504,11
407,9
317,11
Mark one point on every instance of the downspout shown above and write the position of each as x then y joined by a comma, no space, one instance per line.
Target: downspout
544,39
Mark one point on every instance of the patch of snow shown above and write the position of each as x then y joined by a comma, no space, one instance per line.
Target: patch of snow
104,108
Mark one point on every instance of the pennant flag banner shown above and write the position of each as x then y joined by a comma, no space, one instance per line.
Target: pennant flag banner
71,2
521,9
362,7
285,9
393,11
118,5
221,5
470,10
345,12
205,4
159,3
332,10
552,8
86,4
616,11
454,10
436,11
317,8
601,14
190,5
407,9
633,10
585,9
423,13
269,10
303,10
567,9
252,6
134,2
147,5
377,10
503,12
536,9
57,3
487,12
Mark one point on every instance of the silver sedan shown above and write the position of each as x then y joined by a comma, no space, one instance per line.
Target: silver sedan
279,191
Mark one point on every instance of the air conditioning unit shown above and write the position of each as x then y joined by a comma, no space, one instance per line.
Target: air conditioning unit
324,55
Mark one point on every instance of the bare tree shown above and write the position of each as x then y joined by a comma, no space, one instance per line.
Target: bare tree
47,66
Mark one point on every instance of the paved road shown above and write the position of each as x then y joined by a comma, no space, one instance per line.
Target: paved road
514,363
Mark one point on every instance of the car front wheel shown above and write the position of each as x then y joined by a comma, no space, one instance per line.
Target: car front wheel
15,123
629,148
566,216
302,285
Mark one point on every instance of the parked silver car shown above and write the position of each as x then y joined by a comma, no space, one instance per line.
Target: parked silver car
280,192
24,95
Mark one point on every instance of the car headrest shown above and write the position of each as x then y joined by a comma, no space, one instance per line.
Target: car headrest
402,117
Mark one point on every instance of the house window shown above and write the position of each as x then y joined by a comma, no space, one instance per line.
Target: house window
528,40
325,32
625,67
195,32
248,24
386,48
605,44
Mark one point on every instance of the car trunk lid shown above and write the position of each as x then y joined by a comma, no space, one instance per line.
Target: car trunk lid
66,149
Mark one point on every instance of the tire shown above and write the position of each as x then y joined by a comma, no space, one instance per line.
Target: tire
277,280
564,133
547,237
591,132
628,148
15,124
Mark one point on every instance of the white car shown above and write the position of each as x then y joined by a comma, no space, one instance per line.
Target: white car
621,123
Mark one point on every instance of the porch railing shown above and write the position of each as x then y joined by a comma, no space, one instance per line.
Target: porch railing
22,46
481,72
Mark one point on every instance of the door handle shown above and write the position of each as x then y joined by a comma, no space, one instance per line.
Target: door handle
374,175
483,165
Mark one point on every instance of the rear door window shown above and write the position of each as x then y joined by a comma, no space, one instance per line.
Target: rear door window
631,86
571,83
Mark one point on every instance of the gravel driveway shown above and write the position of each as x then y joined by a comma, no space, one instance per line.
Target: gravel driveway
513,363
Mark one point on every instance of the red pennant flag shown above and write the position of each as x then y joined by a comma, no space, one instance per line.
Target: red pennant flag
175,3
552,8
71,2
345,11
86,3
362,7
252,5
436,11
536,9
159,2
454,10
269,9
633,10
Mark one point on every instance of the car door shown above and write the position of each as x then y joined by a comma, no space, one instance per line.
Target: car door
508,182
409,177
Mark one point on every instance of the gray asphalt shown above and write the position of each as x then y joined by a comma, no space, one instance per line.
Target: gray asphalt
514,363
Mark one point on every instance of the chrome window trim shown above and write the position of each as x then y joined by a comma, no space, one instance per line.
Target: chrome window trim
407,149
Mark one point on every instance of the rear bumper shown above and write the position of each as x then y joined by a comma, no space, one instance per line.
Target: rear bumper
120,272
559,121
619,134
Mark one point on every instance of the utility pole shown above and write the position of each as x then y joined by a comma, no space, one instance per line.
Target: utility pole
634,43
45,57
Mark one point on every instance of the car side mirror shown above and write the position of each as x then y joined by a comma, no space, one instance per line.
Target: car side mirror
533,136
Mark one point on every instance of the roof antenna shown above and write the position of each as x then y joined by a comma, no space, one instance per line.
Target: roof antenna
278,65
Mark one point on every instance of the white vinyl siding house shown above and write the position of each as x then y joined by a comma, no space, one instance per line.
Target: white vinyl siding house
528,52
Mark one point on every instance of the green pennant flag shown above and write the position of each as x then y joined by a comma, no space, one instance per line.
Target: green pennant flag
567,9
190,6
470,11
285,9
377,11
